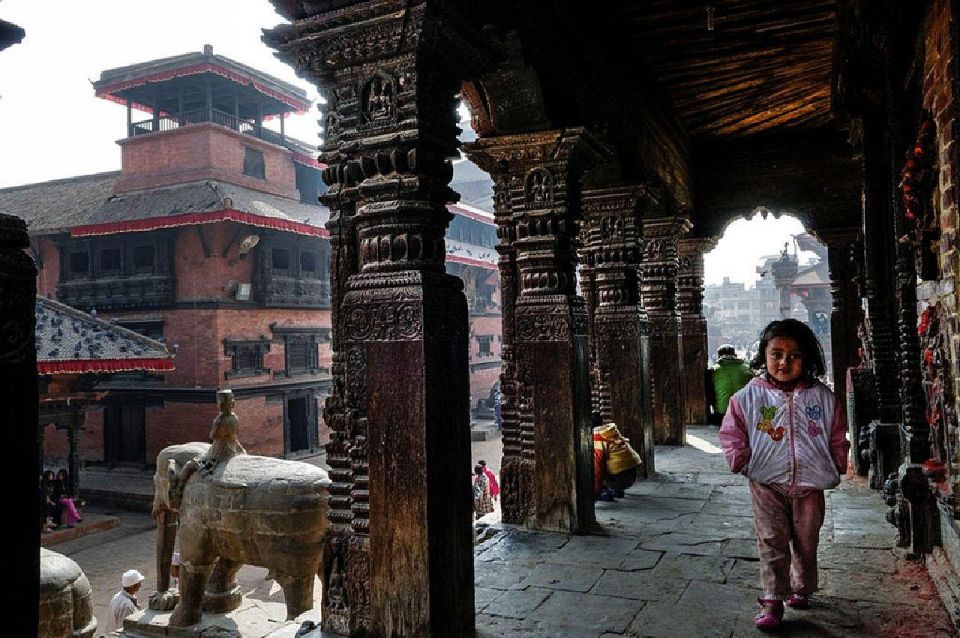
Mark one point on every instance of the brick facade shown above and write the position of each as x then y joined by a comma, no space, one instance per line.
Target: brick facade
199,152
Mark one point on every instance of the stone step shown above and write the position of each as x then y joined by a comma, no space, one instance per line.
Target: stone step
92,523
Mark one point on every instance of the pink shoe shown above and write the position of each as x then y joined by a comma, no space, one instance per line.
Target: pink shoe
798,601
771,615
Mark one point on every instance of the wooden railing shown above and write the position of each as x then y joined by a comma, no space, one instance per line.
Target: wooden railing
171,121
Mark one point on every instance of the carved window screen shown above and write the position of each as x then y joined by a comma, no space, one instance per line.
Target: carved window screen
111,261
280,259
247,357
80,263
485,341
144,258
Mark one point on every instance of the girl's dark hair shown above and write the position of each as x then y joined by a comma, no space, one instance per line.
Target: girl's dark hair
477,470
810,348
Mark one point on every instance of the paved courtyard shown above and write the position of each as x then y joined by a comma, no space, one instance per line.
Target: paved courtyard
675,558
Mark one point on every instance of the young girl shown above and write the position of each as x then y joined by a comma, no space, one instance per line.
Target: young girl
786,432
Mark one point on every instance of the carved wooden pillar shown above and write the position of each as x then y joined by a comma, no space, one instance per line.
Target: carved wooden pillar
696,354
400,560
660,271
846,314
73,458
879,242
18,373
546,472
619,327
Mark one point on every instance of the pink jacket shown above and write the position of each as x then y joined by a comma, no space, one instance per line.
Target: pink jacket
795,439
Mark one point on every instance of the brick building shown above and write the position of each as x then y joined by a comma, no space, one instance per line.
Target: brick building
211,239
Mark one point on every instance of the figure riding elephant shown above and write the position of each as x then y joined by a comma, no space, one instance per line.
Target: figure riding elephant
236,509
250,510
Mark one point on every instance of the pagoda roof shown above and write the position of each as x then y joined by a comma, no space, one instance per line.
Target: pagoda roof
142,83
71,341
86,206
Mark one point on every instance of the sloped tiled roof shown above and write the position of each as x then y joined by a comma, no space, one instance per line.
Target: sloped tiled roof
471,254
58,205
86,206
70,341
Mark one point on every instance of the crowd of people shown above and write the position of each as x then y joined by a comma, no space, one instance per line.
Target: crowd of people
58,506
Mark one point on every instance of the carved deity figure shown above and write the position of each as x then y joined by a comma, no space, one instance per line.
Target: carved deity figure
223,438
223,432
380,99
539,188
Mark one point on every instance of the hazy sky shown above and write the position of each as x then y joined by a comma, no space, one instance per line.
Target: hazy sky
52,126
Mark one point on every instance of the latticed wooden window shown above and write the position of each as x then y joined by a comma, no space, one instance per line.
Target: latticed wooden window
297,354
485,341
247,357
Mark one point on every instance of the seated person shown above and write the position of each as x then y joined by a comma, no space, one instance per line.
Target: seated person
615,463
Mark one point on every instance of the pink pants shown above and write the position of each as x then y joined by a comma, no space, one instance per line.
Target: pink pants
70,514
788,531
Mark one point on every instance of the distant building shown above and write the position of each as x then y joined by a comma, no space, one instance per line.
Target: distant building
211,239
736,314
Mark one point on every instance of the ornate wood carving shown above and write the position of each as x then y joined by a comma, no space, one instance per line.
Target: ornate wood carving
546,432
693,326
612,246
844,254
661,266
391,74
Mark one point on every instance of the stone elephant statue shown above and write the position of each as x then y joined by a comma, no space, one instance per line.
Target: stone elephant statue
66,603
244,510
163,513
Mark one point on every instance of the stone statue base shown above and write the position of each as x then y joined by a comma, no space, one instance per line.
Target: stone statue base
254,618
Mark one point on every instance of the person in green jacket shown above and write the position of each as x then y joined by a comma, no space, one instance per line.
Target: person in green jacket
730,375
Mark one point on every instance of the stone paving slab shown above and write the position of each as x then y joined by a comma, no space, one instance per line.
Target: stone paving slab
627,585
594,613
677,557
569,577
517,604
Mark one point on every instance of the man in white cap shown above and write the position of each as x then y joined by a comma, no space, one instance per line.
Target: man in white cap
124,602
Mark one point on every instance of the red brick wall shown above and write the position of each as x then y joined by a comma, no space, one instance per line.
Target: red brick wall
198,152
91,441
939,86
205,278
481,380
56,447
254,323
48,273
177,423
199,357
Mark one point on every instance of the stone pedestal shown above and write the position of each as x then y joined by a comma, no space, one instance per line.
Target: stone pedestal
253,618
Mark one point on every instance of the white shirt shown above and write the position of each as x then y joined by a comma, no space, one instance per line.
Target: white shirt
121,606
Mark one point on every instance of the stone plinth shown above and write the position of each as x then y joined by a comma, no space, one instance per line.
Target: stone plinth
66,606
254,618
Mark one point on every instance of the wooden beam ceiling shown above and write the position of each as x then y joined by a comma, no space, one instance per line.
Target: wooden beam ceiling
764,67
